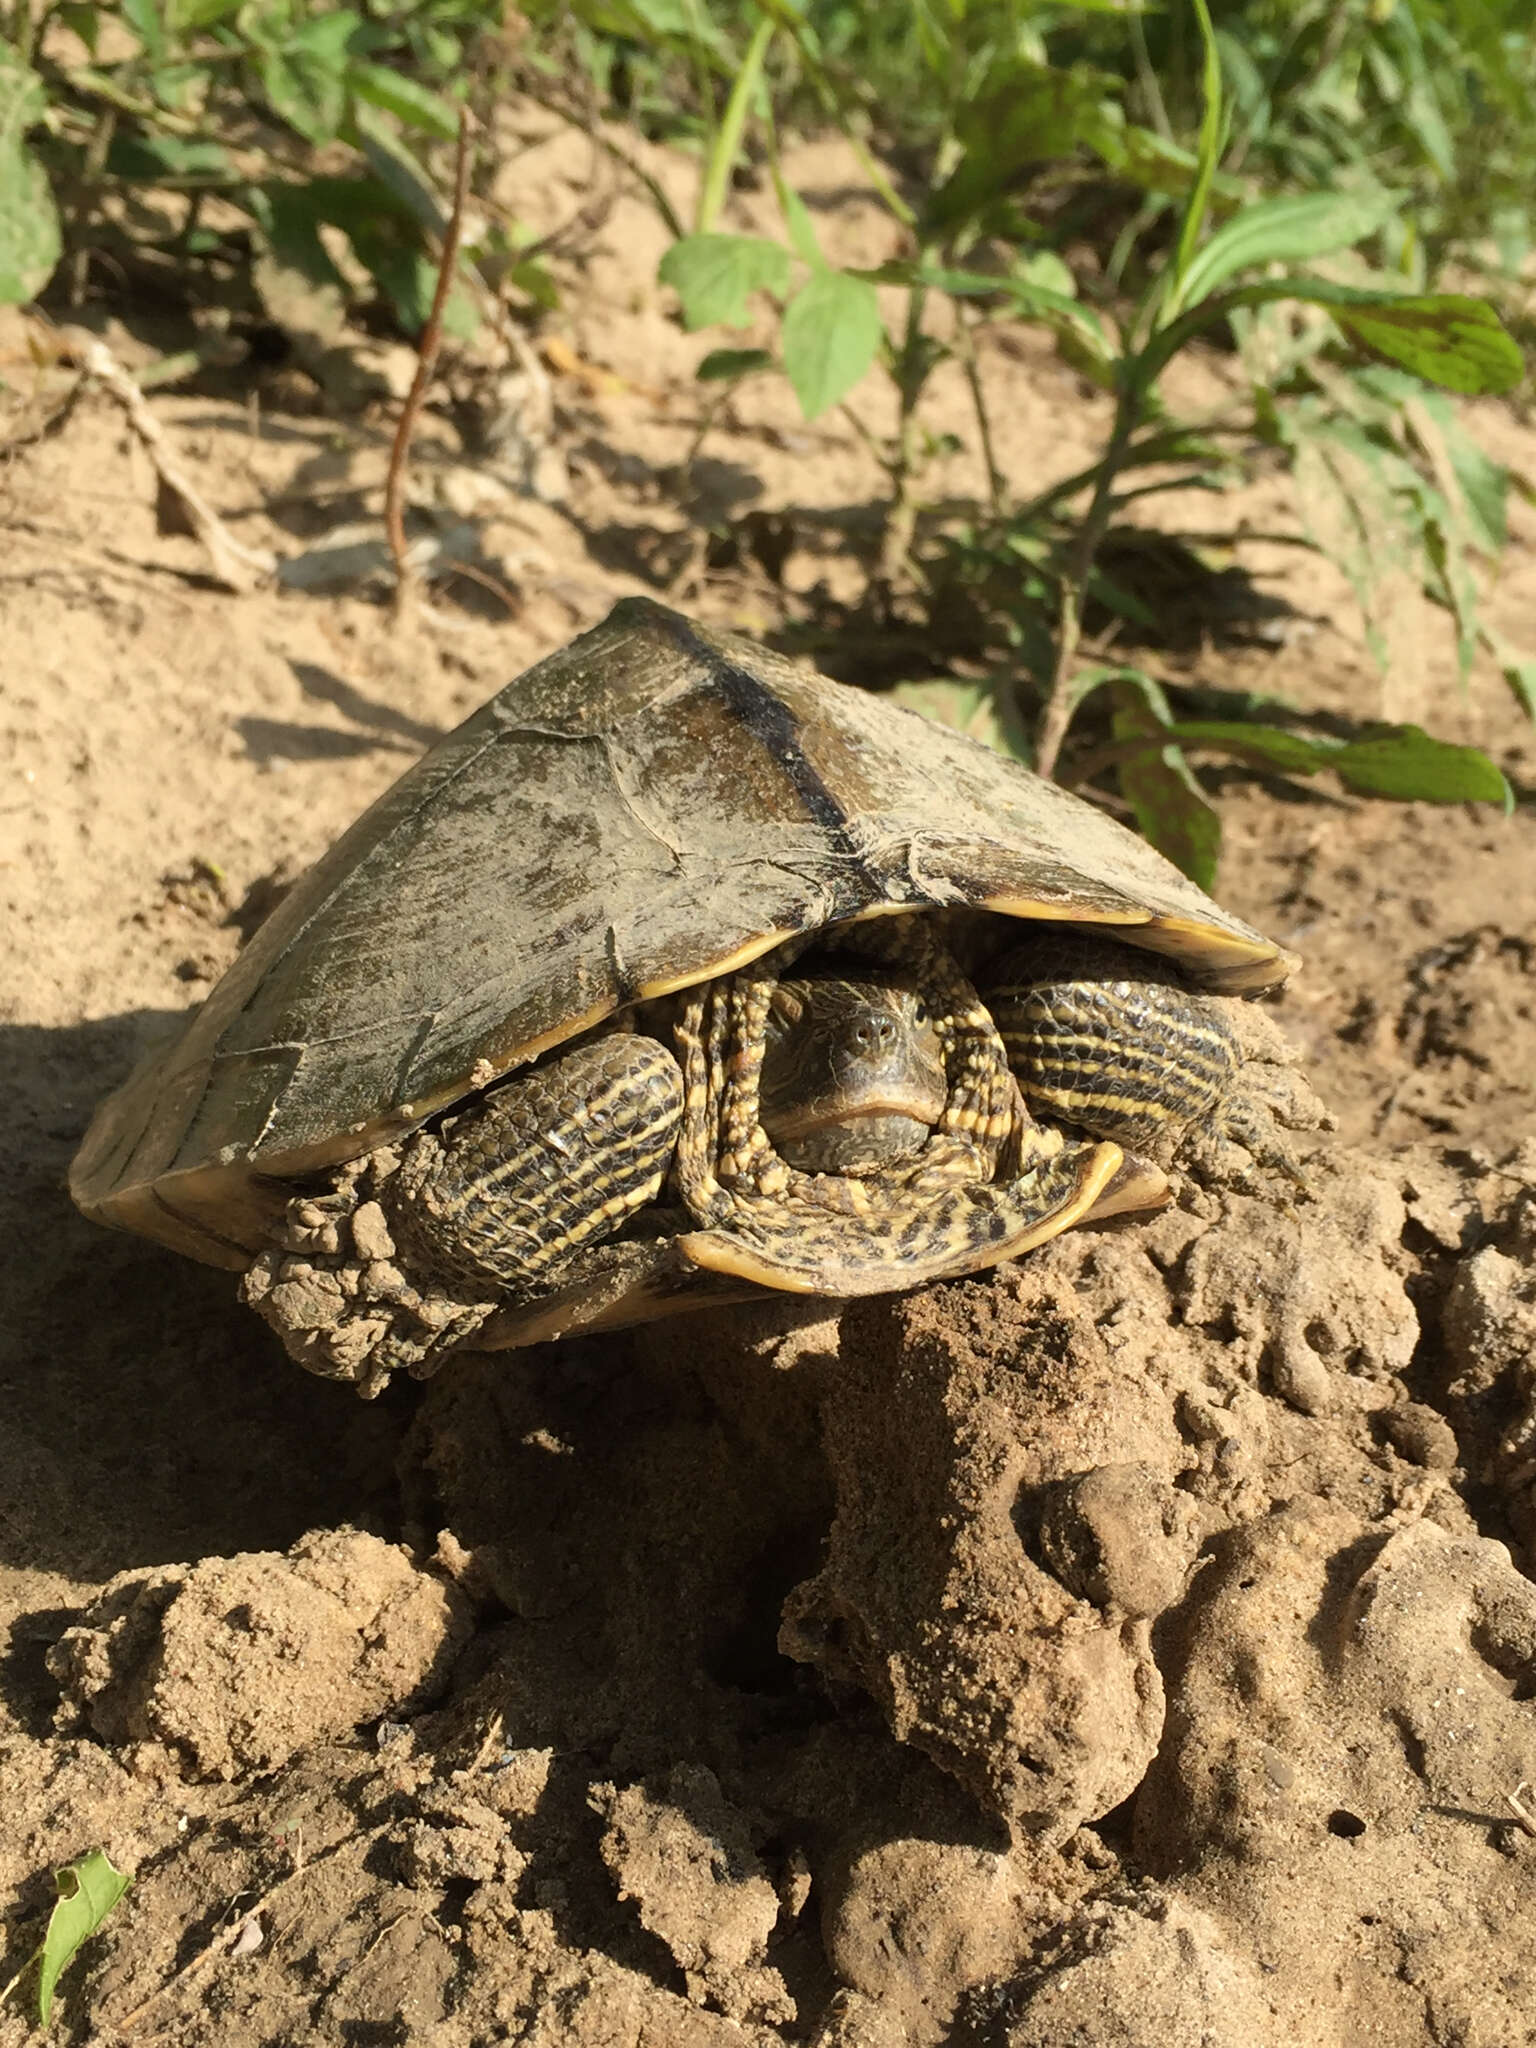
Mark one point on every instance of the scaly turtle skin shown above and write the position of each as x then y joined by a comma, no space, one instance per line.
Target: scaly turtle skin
676,974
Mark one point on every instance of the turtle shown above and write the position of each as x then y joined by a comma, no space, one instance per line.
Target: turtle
677,974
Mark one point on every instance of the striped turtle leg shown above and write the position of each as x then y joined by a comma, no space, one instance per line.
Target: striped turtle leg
1109,1038
555,1160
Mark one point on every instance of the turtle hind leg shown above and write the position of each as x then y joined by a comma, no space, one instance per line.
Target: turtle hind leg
1109,1038
556,1160
414,1254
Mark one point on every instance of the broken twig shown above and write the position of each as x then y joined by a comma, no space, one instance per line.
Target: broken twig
237,567
426,357
1515,1801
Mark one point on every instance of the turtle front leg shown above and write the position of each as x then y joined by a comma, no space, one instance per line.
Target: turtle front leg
560,1159
1111,1039
415,1249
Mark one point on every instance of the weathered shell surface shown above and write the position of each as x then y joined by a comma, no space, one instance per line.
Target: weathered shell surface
650,806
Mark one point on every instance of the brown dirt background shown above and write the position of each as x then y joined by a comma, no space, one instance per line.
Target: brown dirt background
1195,1551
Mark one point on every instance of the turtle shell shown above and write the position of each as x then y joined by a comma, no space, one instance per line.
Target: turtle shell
654,805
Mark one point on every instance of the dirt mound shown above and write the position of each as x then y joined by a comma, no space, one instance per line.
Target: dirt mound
237,1663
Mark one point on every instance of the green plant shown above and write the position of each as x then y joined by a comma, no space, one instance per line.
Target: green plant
1010,119
1429,99
88,1890
120,127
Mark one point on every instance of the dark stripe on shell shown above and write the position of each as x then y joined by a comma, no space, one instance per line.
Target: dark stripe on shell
762,714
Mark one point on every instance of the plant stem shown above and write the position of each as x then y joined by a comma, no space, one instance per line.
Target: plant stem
1147,77
90,177
426,357
996,482
1082,554
727,143
96,85
901,514
835,102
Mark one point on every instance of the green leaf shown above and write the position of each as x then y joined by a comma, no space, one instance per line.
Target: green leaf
682,22
1208,152
1484,486
1293,229
1292,753
1096,675
82,20
408,188
143,17
1400,761
305,78
1044,270
407,276
1144,158
831,332
715,275
986,711
1024,112
30,239
23,99
1519,673
88,1890
530,277
1115,597
148,158
178,87
1455,342
1406,763
724,365
1447,339
194,14
401,96
290,217
797,221
1521,678
1157,782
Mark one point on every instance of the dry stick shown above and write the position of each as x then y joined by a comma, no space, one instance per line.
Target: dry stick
431,341
237,567
1515,1802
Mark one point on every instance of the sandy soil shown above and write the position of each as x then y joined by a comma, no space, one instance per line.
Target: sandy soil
1134,1646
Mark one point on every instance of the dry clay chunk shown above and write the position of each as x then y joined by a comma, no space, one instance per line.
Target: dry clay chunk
983,1583
237,1662
1490,1335
911,1924
685,1857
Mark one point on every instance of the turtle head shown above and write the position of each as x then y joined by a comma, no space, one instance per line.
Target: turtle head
853,1072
